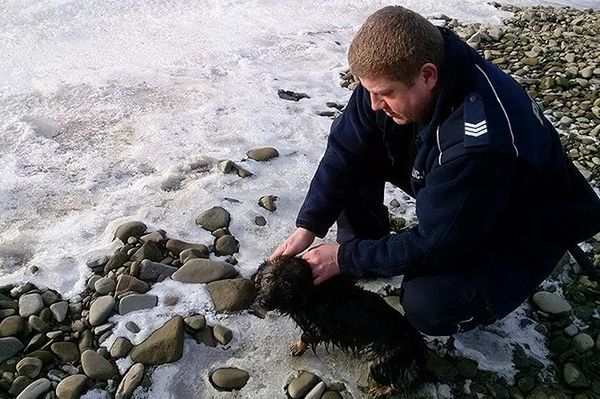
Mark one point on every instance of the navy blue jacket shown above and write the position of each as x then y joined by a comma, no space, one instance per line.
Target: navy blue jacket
487,170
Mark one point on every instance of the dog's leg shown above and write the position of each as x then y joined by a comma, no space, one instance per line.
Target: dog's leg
299,347
382,390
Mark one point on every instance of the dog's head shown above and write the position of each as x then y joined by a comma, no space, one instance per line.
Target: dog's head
283,284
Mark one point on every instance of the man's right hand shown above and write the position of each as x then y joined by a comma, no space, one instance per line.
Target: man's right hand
297,242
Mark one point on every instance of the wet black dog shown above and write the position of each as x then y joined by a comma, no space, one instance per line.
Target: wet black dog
340,313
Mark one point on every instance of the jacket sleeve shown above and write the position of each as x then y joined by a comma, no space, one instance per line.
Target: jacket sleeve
461,203
345,160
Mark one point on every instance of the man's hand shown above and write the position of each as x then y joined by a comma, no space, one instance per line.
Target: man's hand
323,262
297,242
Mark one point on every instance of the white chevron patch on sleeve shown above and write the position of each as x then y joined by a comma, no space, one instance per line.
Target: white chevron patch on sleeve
476,129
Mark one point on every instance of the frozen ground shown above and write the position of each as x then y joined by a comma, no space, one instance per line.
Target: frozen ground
116,110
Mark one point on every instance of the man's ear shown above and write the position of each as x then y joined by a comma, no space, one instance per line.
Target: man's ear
429,74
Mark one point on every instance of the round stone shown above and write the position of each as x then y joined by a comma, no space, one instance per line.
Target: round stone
232,294
260,221
30,304
131,326
105,285
196,322
222,334
229,378
71,387
204,271
12,326
213,219
574,377
582,342
29,367
302,384
67,352
120,348
551,303
130,381
226,245
101,309
97,367
129,229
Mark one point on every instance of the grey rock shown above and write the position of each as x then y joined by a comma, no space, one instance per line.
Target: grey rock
116,261
30,304
97,367
331,395
105,285
29,367
126,230
204,271
120,348
12,326
37,324
192,253
571,330
241,172
551,303
154,271
221,232
130,381
7,312
98,262
67,352
71,387
92,282
268,202
574,377
226,166
226,245
164,345
206,337
214,219
222,334
86,340
131,326
9,347
19,384
148,251
229,378
59,310
35,389
50,297
260,221
156,237
54,334
582,342
317,391
263,154
196,322
302,384
232,295
101,309
177,246
127,283
134,302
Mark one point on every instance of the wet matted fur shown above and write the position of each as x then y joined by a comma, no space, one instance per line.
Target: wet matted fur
340,313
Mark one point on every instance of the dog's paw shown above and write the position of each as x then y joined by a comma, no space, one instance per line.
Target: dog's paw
298,348
381,391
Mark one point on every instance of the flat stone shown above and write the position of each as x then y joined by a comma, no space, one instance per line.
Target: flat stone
229,378
105,285
148,251
116,261
59,310
29,367
19,384
97,263
9,347
120,348
551,303
317,391
204,271
134,302
263,154
302,384
154,271
12,326
67,352
71,387
177,246
192,253
35,389
155,236
97,367
131,326
213,219
127,283
196,322
232,295
164,345
126,230
130,381
101,309
30,304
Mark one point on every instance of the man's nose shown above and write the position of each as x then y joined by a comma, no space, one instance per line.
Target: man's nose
376,103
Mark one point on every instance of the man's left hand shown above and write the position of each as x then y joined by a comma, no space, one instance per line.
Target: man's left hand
322,260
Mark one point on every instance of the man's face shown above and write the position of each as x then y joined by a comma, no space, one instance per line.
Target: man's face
403,103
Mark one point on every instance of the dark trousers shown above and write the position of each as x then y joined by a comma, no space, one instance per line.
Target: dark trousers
456,299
